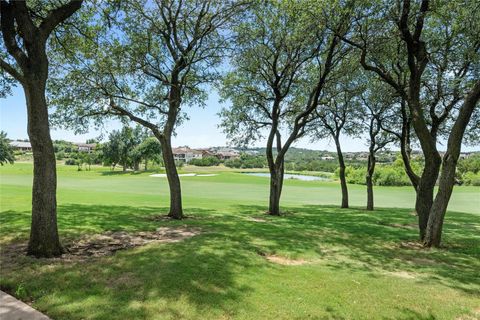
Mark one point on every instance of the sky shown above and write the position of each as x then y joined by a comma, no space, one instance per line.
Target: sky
200,131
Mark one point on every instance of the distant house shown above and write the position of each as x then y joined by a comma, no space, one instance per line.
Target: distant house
21,145
227,154
185,154
327,158
465,155
206,152
85,147
197,154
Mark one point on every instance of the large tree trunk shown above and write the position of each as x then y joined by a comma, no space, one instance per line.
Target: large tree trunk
433,228
369,179
405,148
425,191
176,210
276,185
343,179
432,161
433,234
44,240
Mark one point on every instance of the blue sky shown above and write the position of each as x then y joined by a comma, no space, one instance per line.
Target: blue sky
200,131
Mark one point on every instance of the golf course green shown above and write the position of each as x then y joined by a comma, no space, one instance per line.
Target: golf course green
316,261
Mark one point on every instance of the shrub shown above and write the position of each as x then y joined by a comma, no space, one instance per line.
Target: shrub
385,175
71,162
247,162
471,179
233,163
179,164
205,162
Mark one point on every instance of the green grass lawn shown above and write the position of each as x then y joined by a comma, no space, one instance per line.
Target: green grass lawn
357,264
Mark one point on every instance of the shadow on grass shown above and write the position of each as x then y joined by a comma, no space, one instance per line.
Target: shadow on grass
199,275
356,239
194,276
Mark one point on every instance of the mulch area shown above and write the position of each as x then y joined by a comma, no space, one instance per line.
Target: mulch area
100,245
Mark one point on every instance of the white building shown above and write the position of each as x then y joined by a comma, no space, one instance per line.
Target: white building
85,147
185,154
21,145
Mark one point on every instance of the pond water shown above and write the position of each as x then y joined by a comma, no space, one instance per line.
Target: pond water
288,176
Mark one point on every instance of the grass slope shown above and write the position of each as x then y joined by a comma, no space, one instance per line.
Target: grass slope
359,264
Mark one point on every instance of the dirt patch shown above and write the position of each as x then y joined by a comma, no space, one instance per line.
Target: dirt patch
165,217
409,226
412,245
282,260
109,242
402,274
104,244
286,261
423,261
257,219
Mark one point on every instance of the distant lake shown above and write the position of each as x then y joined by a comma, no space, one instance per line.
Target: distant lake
288,176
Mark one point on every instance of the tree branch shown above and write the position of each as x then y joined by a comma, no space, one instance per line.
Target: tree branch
57,16
11,70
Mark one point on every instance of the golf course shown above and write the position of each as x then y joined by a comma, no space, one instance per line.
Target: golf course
315,261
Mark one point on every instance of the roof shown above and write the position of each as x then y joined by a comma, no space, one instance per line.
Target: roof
181,150
20,144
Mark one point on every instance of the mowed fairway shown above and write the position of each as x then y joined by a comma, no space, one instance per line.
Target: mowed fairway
334,264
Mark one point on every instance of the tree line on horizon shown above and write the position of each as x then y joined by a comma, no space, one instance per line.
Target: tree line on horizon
403,72
134,149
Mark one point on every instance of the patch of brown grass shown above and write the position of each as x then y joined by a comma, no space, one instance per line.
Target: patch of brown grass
285,261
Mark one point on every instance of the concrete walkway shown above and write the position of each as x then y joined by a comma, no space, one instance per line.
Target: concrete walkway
13,309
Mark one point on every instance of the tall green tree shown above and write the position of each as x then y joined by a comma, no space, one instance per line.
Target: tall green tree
436,45
146,61
149,150
376,102
25,30
122,145
339,113
284,55
6,150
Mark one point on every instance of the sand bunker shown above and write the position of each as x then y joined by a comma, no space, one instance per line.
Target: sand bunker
163,175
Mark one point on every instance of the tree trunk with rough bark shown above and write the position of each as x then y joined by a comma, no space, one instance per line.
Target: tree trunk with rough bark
176,209
44,240
432,159
369,179
276,185
438,209
343,179
425,192
25,41
405,148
